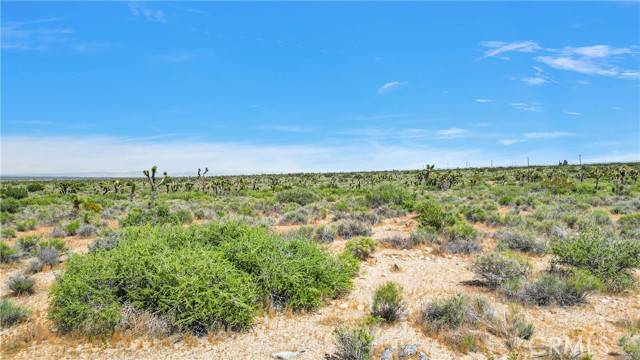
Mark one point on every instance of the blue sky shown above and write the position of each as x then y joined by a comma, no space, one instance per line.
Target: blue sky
92,88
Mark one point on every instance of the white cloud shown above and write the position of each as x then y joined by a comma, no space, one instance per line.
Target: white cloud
451,133
547,135
500,47
583,66
508,142
39,34
573,113
146,12
527,106
596,51
391,86
484,100
534,80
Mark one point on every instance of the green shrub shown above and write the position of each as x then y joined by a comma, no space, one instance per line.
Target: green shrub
7,233
26,225
387,193
350,228
11,314
610,260
35,187
295,273
57,244
184,216
496,269
461,238
521,240
630,225
14,192
72,227
300,195
28,244
361,247
157,215
431,214
353,343
506,200
21,285
9,205
631,346
443,314
7,253
564,290
387,302
296,217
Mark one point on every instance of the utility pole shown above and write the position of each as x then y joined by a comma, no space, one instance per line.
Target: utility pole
491,163
527,161
580,159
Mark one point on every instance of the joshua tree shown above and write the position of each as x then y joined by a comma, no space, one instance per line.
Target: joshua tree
426,173
132,189
597,174
116,186
153,182
201,179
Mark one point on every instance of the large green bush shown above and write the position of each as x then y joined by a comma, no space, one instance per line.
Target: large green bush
388,193
157,215
301,196
201,278
609,259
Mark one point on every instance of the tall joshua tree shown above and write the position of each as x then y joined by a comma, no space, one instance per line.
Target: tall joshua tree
201,179
153,181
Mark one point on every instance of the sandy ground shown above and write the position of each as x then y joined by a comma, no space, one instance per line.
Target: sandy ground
594,327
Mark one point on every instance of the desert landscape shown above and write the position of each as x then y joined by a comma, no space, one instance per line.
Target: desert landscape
483,263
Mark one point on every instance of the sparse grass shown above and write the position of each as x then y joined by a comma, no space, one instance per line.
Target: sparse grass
11,314
387,302
353,343
361,247
21,285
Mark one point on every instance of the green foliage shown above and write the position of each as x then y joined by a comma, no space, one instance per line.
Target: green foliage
431,214
350,228
72,227
499,269
156,215
7,233
21,285
446,313
361,247
9,205
28,244
300,196
14,192
387,193
35,187
26,225
7,253
11,314
630,225
521,239
564,289
630,344
353,343
387,302
461,238
202,278
610,260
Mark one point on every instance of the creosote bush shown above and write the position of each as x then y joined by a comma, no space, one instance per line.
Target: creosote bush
387,302
350,228
609,259
201,278
361,247
521,240
387,193
300,196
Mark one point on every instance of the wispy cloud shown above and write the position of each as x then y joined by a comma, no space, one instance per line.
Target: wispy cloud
451,133
508,142
385,88
547,135
137,9
495,48
596,51
483,101
573,113
39,34
534,80
527,106
583,66
175,57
